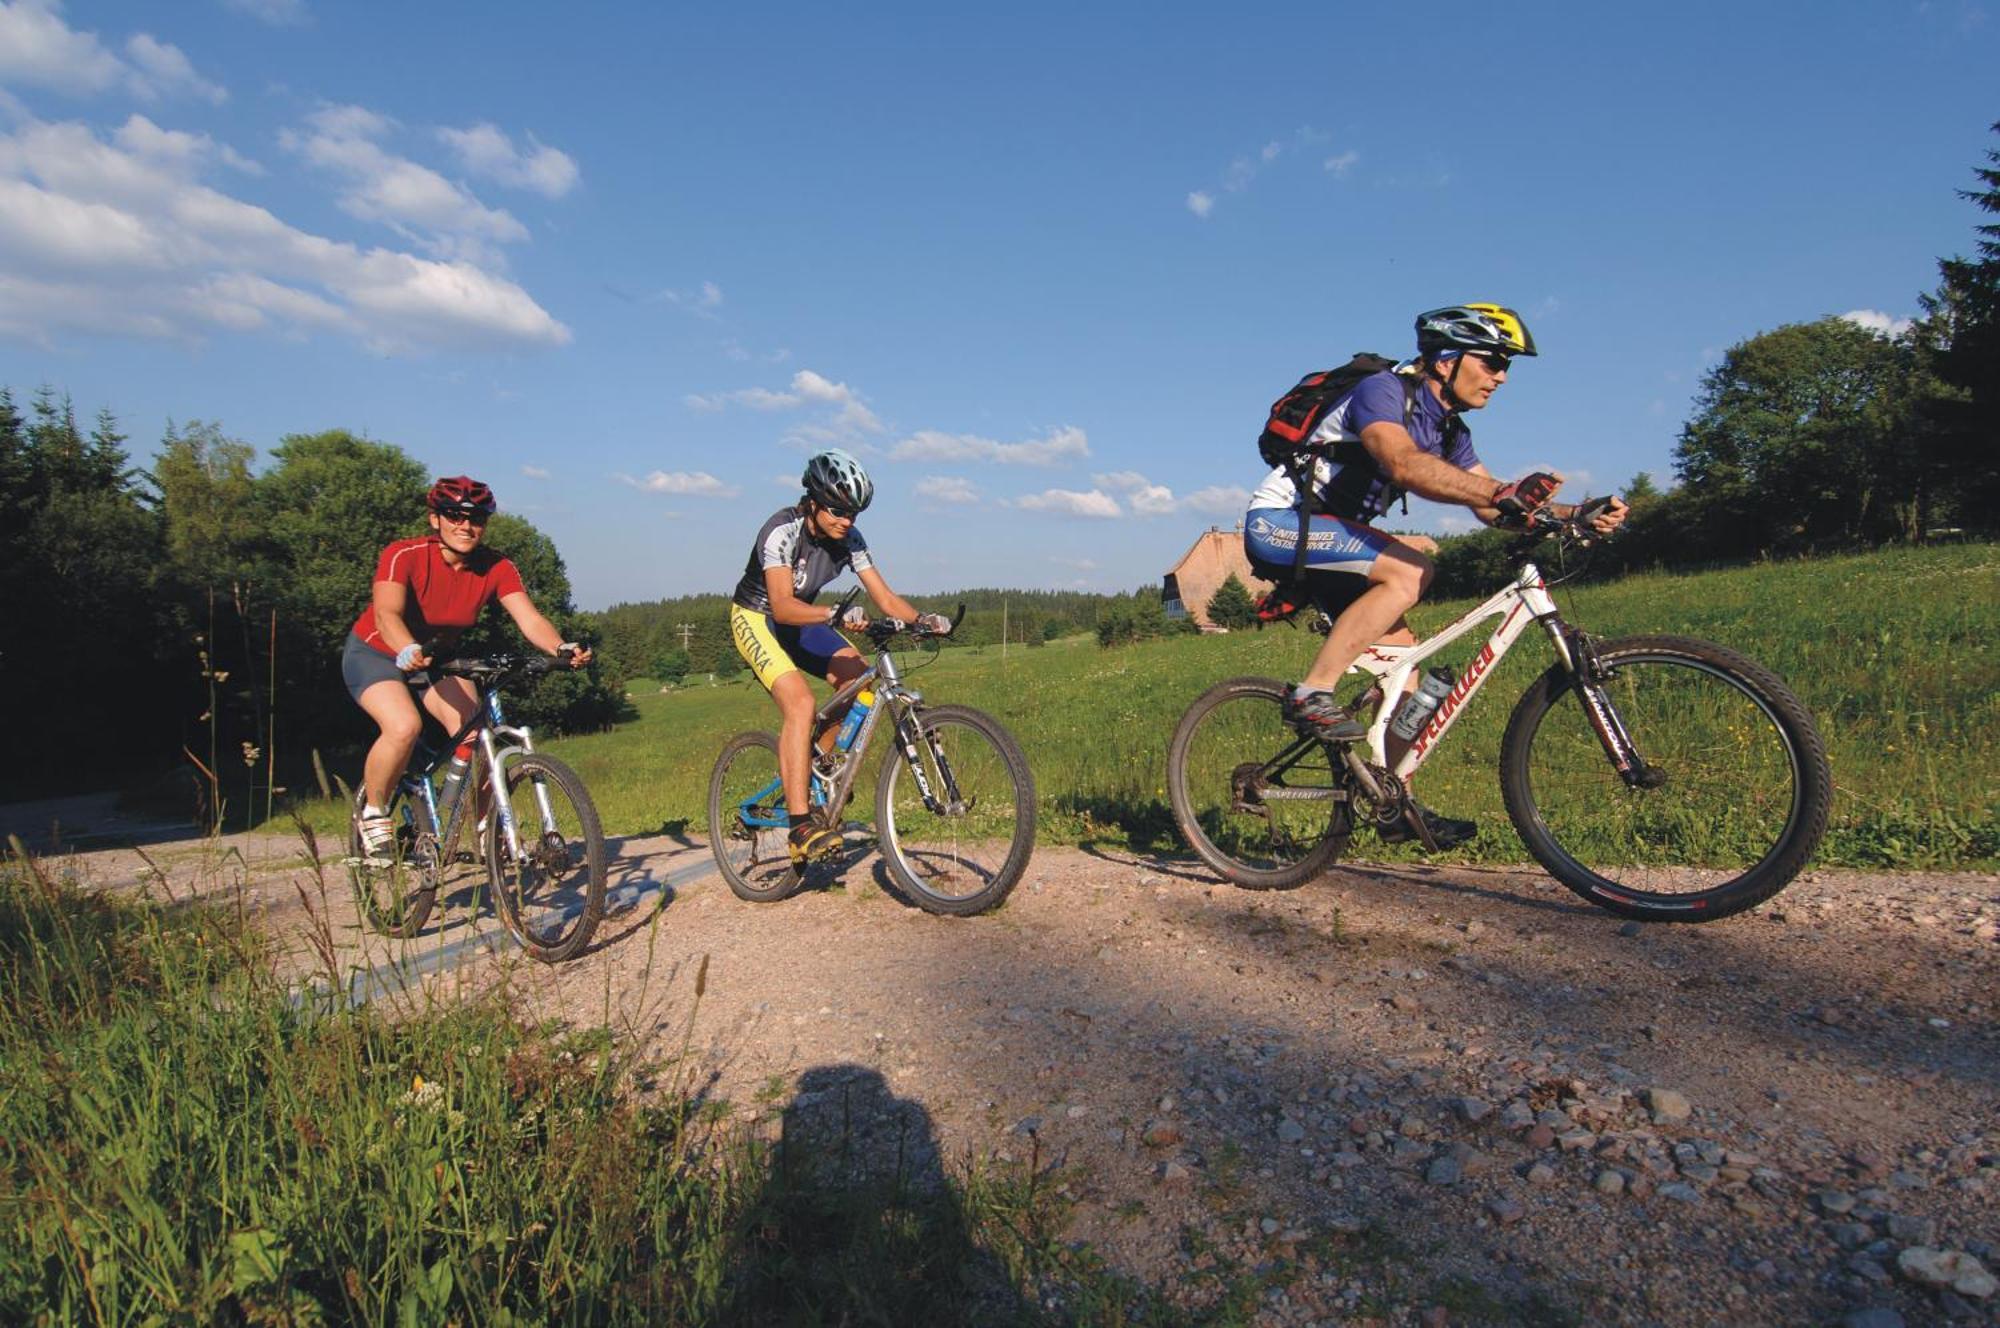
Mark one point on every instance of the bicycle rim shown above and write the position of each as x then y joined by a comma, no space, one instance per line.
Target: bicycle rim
744,798
957,839
550,893
1742,786
1259,804
395,897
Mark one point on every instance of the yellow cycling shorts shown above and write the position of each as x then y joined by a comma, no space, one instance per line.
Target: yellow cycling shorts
772,650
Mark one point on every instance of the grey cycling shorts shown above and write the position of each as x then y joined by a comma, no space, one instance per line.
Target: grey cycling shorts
362,666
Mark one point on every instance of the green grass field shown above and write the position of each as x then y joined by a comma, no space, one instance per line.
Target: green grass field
1893,652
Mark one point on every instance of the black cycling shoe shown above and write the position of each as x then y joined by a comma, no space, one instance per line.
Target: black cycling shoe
1449,832
1319,715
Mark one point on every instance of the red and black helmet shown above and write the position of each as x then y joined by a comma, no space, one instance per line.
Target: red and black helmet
461,495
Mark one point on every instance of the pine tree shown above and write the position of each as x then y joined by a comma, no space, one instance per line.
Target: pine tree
1231,605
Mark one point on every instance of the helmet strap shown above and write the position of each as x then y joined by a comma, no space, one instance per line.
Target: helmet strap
1451,397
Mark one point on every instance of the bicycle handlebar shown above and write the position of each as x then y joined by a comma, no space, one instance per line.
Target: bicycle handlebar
883,630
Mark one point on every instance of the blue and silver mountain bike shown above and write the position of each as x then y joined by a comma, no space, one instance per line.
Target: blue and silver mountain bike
954,802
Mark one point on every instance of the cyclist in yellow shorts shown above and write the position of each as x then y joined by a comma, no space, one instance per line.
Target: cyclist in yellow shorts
784,636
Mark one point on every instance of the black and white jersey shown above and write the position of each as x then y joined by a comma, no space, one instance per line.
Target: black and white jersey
782,541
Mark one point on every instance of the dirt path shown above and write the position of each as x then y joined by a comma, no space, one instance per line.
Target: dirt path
1431,1095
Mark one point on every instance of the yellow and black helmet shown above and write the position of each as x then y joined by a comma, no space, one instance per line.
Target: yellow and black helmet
1481,327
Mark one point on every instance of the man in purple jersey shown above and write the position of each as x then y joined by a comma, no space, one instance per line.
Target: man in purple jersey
1398,431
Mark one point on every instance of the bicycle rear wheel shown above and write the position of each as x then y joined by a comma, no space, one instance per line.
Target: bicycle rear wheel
1733,803
551,895
396,894
1261,805
747,827
957,828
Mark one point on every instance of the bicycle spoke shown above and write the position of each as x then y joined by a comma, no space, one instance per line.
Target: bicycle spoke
1259,803
957,827
1734,800
551,887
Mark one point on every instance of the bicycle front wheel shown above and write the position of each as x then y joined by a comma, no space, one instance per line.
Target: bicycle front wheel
550,895
1732,802
1260,804
395,892
747,826
957,823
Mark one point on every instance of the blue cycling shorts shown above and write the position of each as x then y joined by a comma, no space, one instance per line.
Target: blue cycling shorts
1271,539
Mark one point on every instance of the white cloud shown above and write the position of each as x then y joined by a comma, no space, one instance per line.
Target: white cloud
947,489
278,13
1875,320
1068,502
39,49
807,388
1149,499
1061,445
536,473
121,236
1243,170
486,151
698,483
163,70
411,199
1228,500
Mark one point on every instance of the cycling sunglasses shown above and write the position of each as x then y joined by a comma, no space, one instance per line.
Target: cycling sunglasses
839,513
465,518
1496,363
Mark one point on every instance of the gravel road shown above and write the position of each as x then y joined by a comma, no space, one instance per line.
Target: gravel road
1405,1095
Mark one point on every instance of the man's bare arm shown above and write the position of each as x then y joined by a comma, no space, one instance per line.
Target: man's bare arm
1408,467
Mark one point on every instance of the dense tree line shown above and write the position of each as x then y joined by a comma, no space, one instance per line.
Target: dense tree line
689,635
190,617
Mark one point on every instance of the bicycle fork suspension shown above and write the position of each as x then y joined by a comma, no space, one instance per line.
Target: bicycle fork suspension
909,732
1588,676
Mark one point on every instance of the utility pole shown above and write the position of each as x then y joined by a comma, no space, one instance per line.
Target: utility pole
686,630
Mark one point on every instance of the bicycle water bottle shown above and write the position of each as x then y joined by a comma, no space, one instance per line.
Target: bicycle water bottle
864,701
1419,705
454,773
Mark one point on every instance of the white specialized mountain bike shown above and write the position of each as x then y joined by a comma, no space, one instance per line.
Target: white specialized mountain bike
1660,777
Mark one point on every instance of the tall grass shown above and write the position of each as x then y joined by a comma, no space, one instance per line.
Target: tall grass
183,1139
1893,652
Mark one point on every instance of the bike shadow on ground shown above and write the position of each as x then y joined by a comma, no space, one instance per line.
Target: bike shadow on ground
634,894
1447,876
856,1220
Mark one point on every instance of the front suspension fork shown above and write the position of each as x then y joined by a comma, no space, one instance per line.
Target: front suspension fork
1588,675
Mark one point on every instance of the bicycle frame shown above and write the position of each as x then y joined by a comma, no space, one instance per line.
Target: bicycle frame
887,681
1523,600
490,721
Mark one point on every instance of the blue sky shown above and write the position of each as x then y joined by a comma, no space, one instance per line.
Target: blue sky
1042,267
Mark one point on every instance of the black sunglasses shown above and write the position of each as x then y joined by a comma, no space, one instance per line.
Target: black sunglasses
1497,363
466,518
839,513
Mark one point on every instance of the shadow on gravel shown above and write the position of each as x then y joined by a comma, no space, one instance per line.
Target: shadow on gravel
1568,991
858,1223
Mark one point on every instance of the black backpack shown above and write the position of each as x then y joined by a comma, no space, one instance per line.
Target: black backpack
1295,415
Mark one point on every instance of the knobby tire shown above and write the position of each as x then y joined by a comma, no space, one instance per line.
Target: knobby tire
1744,794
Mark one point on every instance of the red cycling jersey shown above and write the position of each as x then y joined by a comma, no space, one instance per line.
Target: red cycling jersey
441,600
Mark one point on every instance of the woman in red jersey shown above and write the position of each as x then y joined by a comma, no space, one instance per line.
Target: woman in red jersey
429,589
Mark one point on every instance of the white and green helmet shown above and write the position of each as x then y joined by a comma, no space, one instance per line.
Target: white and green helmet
835,479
